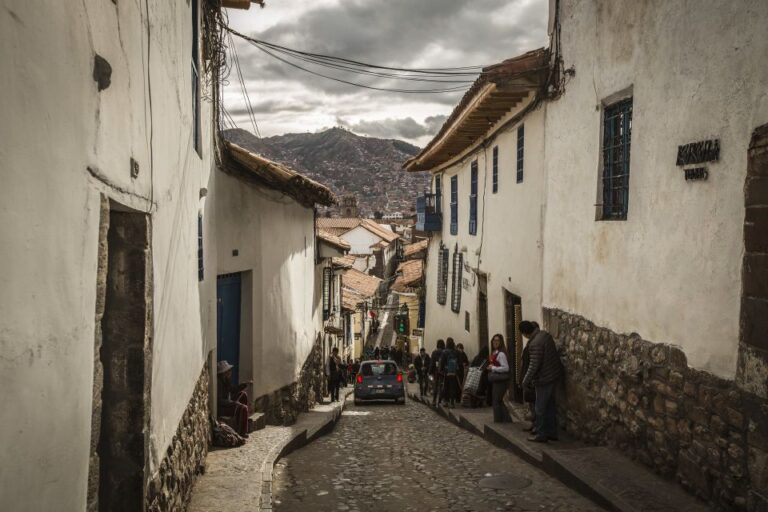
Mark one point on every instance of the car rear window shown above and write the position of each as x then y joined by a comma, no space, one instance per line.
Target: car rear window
375,369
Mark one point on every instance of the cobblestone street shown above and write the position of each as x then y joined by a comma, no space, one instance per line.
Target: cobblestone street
384,457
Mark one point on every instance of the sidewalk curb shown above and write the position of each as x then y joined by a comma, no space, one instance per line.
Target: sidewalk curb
299,439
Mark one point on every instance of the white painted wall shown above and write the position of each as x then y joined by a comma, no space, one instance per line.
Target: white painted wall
509,230
671,271
361,240
275,239
54,125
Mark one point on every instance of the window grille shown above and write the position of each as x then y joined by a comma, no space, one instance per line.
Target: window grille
458,265
454,205
200,268
495,169
473,199
196,130
438,194
327,276
617,134
520,152
442,275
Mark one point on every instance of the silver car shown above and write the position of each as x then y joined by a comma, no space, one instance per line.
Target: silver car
379,380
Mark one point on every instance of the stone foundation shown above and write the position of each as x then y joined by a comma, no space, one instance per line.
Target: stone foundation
641,397
283,406
171,487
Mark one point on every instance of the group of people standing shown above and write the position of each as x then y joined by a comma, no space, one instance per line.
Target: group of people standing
339,373
446,368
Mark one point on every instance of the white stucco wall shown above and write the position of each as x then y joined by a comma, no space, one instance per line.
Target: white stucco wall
275,239
54,125
671,271
509,230
361,240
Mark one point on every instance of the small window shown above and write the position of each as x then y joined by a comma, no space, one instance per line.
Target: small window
466,321
196,129
458,265
200,268
495,169
617,135
438,194
442,275
520,152
473,199
454,205
327,292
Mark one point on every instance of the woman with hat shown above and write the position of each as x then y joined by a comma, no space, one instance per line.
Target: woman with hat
232,399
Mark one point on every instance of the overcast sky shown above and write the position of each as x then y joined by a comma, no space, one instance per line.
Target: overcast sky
397,33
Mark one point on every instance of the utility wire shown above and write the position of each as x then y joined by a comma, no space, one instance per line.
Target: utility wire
246,98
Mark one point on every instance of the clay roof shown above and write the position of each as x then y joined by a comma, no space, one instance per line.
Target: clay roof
250,166
333,240
378,230
356,287
411,272
413,250
338,223
345,261
498,89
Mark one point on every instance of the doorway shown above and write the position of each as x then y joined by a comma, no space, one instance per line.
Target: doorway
513,314
122,362
228,298
482,311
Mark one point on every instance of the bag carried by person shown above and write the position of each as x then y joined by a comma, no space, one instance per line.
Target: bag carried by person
498,376
452,366
225,436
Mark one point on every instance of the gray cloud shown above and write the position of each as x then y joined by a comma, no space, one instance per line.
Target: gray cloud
398,33
404,128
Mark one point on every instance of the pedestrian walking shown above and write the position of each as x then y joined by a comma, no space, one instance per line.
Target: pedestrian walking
434,371
333,372
498,378
377,353
421,364
529,393
463,364
450,366
544,371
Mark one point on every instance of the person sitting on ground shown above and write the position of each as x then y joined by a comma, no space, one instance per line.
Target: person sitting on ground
544,371
450,365
232,400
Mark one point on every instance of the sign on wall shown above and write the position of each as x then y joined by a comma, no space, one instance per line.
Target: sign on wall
696,153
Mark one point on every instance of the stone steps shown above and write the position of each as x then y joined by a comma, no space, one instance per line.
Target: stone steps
256,421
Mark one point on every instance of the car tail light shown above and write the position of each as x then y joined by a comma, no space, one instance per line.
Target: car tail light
399,377
359,379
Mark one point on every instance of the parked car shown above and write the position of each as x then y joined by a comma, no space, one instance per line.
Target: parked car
379,380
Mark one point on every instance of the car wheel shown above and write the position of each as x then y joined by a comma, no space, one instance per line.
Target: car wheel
357,402
401,401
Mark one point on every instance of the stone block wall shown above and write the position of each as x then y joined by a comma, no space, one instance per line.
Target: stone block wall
283,406
171,487
641,397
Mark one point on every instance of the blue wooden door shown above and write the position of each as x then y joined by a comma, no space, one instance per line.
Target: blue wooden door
228,321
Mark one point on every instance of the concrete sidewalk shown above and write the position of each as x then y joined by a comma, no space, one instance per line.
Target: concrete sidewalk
602,474
240,479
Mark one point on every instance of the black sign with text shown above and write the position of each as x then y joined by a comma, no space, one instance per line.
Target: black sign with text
698,152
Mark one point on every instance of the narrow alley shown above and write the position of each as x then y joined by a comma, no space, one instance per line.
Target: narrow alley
403,458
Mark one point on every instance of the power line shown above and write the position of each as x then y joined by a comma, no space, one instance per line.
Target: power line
246,98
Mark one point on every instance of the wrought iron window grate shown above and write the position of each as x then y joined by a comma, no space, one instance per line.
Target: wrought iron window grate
458,265
454,205
442,275
617,136
495,169
200,260
438,194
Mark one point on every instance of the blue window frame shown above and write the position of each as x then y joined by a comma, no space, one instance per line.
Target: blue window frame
495,169
454,205
520,152
473,199
617,136
438,194
200,268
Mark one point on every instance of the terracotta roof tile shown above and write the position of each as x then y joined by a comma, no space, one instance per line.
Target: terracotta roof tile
333,240
411,273
413,250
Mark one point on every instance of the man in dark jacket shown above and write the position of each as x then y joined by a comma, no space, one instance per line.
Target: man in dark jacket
437,383
544,372
421,364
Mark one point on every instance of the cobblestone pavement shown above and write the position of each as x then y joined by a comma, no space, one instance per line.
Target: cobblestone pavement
383,457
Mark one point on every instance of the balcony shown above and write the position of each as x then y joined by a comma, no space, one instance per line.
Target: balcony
428,214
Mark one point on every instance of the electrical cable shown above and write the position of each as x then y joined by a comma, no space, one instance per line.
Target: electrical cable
246,98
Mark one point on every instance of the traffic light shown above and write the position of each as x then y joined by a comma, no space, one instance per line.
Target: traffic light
402,324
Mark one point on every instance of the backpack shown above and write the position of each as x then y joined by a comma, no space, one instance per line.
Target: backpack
452,365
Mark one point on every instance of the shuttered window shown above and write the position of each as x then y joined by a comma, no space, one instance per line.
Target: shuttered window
442,275
454,205
200,268
438,194
473,199
327,292
458,265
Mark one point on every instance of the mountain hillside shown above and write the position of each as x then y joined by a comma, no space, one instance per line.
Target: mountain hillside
346,163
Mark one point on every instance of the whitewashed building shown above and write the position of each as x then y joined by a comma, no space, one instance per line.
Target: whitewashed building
107,322
271,312
484,213
374,245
